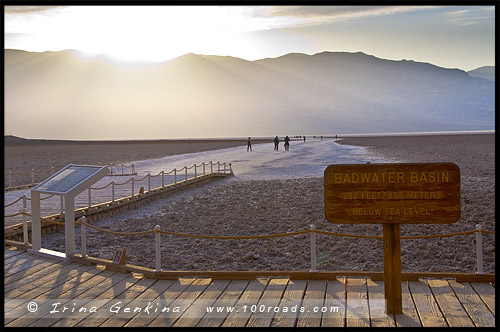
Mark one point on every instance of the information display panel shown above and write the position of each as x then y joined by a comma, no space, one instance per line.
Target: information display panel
70,177
392,193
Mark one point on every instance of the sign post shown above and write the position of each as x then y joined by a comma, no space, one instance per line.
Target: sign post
392,194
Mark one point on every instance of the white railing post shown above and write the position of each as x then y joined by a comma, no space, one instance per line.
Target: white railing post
84,236
36,222
230,168
25,226
195,171
157,248
186,172
163,179
112,191
203,168
10,179
122,169
133,180
133,169
218,166
313,248
62,205
32,177
90,199
25,221
149,182
224,168
211,167
111,167
479,249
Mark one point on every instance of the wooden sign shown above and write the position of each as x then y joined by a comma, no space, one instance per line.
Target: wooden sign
427,193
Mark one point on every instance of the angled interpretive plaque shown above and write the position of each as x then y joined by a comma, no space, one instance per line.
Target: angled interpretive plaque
72,179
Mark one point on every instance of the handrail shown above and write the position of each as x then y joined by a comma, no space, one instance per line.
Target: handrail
312,231
17,200
246,237
150,187
175,171
111,166
99,188
120,184
142,178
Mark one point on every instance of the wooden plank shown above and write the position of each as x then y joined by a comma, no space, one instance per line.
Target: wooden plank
473,277
152,295
33,273
409,317
50,291
487,293
20,263
357,312
263,315
143,292
335,296
427,308
20,255
104,291
294,275
128,296
314,299
239,317
193,315
182,302
11,252
449,304
376,302
473,305
290,304
117,294
52,280
228,299
165,298
88,288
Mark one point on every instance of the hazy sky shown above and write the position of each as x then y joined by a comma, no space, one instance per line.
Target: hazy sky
448,36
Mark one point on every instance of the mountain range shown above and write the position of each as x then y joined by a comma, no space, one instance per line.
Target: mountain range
69,95
486,72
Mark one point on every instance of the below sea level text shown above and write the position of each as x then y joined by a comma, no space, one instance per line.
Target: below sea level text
406,211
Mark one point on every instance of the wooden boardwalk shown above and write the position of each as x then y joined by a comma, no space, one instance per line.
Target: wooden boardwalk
36,282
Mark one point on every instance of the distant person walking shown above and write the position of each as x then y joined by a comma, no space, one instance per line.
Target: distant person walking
249,144
287,143
276,143
304,138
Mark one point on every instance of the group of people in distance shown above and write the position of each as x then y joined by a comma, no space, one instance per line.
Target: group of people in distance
276,143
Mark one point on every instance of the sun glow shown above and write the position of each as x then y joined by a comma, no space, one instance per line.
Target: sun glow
145,33
160,33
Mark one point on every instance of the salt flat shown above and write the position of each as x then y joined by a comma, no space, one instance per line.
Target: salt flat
304,159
